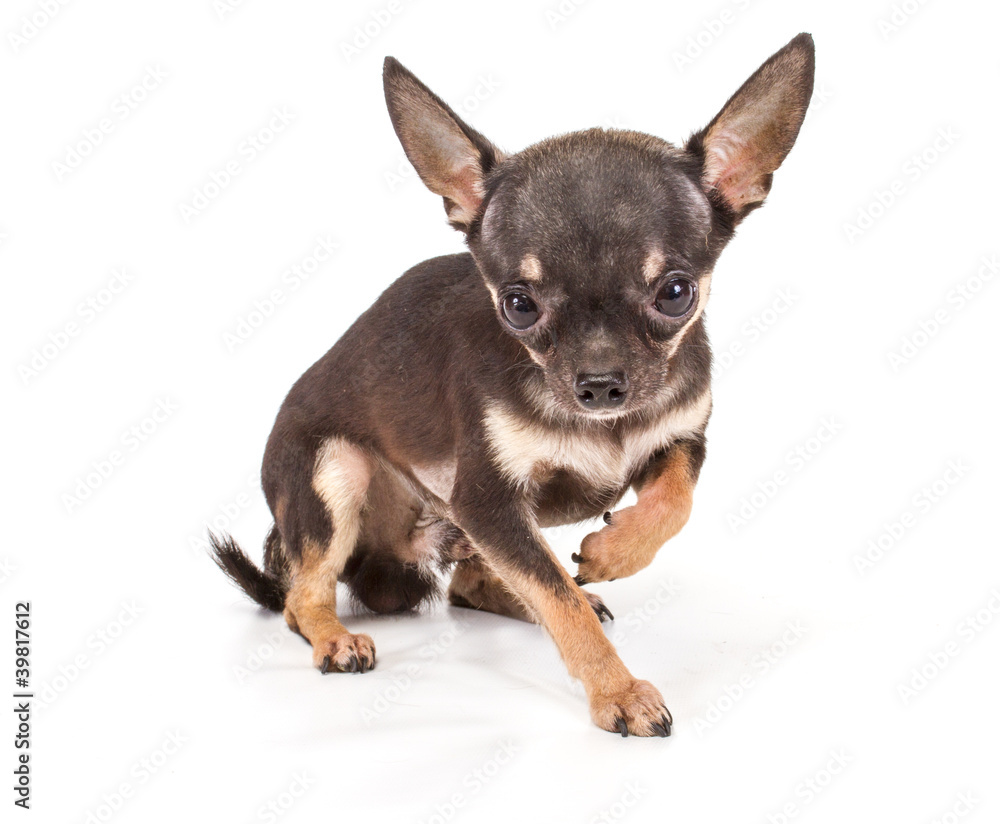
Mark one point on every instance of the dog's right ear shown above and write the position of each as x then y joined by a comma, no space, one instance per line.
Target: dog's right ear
451,158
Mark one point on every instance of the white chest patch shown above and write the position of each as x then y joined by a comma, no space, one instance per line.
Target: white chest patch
523,448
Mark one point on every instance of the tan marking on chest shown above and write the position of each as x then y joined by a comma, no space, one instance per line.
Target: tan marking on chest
525,450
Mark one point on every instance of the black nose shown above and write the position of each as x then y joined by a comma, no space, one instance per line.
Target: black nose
601,391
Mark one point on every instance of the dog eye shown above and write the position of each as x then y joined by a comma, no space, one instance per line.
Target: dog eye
519,311
675,298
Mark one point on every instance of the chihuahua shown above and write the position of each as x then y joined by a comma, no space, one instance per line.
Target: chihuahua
527,383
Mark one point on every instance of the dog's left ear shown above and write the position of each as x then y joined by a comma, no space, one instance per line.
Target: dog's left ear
750,137
451,157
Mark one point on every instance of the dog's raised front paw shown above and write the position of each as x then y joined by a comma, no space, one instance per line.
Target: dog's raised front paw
616,551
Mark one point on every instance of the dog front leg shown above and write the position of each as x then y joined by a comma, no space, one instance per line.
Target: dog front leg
495,514
635,534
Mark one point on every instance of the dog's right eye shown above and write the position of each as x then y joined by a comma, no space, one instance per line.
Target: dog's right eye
519,311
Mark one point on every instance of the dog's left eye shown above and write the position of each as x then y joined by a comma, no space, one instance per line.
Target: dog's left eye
519,311
676,297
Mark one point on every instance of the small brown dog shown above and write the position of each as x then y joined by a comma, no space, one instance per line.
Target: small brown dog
527,383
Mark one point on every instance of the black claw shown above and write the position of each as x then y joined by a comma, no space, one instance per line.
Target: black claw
622,726
352,665
580,580
668,719
326,665
660,730
576,558
607,517
602,611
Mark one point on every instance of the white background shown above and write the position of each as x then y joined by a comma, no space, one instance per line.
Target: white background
470,717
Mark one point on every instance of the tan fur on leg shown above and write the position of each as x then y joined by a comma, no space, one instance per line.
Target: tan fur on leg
635,534
619,702
341,479
475,586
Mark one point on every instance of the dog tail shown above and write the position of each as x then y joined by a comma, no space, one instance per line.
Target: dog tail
263,586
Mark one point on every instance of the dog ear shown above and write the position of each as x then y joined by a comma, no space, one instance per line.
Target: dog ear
451,158
750,137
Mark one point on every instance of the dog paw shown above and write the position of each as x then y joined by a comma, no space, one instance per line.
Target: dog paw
636,710
610,553
345,653
597,605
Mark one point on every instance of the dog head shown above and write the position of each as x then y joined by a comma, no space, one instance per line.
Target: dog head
598,246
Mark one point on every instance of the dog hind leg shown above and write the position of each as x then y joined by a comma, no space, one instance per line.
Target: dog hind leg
475,586
404,544
341,478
